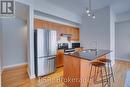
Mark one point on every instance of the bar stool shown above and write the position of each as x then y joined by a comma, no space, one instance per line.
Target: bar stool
98,65
109,65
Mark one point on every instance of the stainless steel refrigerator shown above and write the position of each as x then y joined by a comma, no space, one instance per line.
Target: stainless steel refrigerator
45,47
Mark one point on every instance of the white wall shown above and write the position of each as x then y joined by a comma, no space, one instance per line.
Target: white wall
123,40
30,42
49,8
96,29
100,30
112,35
14,44
123,17
0,51
0,45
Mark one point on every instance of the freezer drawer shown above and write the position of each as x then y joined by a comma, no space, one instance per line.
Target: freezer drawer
46,66
42,67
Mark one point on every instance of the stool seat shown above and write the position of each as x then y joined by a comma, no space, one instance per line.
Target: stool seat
105,60
98,64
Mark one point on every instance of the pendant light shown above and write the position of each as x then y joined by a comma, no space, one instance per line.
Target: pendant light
89,11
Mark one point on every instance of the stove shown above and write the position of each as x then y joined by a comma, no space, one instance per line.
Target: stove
67,49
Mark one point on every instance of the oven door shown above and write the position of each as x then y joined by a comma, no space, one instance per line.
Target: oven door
62,45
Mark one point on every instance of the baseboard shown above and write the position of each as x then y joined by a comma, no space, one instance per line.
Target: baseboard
31,76
123,59
13,66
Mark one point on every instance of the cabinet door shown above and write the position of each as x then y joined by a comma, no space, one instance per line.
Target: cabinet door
73,34
64,29
68,30
76,34
50,26
59,58
46,24
59,31
38,23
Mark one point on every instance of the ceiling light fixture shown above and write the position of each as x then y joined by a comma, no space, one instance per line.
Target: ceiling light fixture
89,11
93,16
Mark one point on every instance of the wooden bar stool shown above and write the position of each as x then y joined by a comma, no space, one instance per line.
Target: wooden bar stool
109,65
98,66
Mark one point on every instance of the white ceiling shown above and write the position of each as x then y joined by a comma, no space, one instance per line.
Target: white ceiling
78,6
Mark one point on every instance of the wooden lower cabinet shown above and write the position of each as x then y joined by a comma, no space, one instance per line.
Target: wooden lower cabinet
76,71
71,71
59,58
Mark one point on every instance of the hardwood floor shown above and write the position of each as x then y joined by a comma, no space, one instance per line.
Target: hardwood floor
18,77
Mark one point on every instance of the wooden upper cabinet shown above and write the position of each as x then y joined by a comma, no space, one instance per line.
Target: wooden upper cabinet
74,32
60,28
68,30
77,34
45,25
50,26
64,29
38,23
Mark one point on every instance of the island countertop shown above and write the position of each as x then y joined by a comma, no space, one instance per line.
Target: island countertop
90,54
77,66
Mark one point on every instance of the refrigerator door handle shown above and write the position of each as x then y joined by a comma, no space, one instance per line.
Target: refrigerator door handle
48,66
47,42
48,57
51,58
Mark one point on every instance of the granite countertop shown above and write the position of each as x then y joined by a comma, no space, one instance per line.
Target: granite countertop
90,54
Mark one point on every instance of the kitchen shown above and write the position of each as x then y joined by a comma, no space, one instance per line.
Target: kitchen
64,39
49,35
44,46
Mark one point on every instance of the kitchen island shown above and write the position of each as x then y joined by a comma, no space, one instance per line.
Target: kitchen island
77,66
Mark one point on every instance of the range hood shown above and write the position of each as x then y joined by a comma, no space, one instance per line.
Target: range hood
66,35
